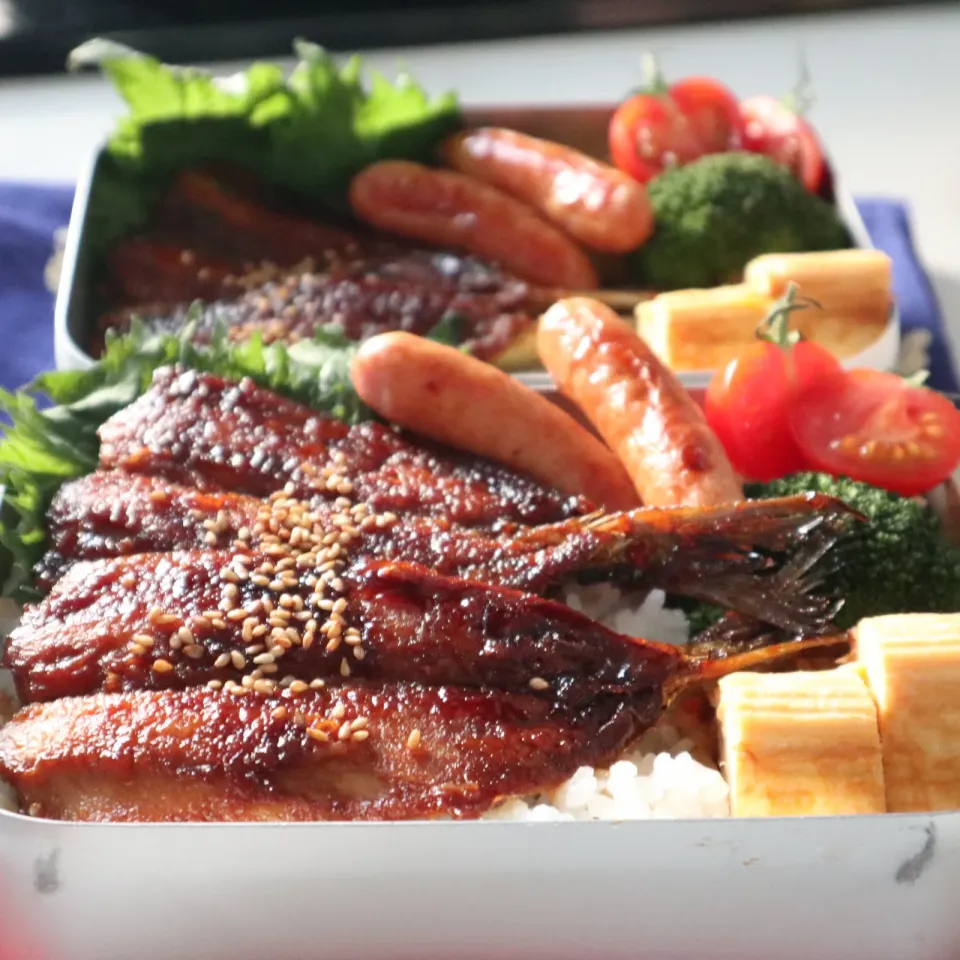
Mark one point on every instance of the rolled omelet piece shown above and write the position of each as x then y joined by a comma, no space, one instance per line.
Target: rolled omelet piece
912,665
800,744
855,284
701,329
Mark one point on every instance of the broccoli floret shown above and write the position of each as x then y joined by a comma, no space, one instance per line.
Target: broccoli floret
716,214
896,562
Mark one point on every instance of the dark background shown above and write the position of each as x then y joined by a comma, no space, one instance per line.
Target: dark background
36,35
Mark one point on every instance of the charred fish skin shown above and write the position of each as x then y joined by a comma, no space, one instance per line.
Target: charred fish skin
111,513
362,300
352,752
301,594
200,430
732,555
157,621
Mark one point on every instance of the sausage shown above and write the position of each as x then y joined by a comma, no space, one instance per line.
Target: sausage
597,204
450,209
637,405
442,393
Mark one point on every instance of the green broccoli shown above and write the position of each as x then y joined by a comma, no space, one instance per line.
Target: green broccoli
713,216
896,562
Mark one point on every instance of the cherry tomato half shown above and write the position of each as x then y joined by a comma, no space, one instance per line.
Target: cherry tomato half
748,405
713,112
773,129
878,428
649,134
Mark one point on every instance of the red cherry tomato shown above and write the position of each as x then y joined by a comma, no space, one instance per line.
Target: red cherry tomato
649,134
878,428
748,405
771,128
713,112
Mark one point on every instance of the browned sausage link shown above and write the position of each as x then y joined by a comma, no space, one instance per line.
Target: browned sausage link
637,405
450,209
594,202
444,394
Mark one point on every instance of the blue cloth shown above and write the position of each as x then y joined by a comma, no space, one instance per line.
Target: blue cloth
29,215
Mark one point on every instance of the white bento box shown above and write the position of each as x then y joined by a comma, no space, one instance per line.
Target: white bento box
877,887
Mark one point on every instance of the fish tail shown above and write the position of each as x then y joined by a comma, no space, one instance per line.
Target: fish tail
763,559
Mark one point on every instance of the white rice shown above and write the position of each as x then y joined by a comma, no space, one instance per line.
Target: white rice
662,777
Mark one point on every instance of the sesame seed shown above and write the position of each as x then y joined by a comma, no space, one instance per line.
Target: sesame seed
210,538
317,734
231,591
344,668
194,651
201,623
538,683
413,741
175,642
359,723
144,639
298,686
360,735
344,732
166,619
338,711
279,713
235,616
222,661
359,653
247,682
333,643
219,623
214,684
264,686
263,658
162,666
136,649
238,660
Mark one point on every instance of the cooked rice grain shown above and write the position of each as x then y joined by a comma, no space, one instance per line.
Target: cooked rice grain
662,777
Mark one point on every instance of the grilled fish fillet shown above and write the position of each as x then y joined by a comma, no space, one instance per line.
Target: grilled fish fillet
202,431
355,752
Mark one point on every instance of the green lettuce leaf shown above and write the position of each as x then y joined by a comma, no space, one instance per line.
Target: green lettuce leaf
54,420
308,132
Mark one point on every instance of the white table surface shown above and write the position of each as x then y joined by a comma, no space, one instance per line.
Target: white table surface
887,87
